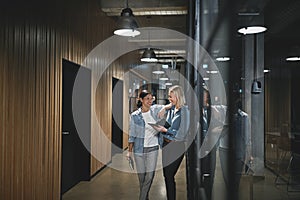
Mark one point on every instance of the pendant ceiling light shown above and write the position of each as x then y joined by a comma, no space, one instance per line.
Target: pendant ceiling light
252,22
149,56
127,25
157,70
293,54
252,30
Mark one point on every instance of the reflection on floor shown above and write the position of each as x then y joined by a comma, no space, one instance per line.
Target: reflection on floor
112,184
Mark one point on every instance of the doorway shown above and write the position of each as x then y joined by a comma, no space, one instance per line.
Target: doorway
117,116
75,156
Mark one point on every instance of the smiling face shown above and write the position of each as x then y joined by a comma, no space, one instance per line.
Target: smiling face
172,98
147,101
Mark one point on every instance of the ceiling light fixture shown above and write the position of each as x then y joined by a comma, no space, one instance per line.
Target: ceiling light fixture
252,30
251,22
294,58
157,70
163,78
149,56
293,55
212,72
127,25
165,66
223,59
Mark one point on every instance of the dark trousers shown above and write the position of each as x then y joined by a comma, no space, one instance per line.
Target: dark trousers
172,155
232,182
208,164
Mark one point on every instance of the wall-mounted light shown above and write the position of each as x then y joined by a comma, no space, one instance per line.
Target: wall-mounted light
127,25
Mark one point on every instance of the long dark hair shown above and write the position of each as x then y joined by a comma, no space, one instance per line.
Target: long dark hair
142,94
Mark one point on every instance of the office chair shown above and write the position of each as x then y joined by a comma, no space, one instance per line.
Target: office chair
293,184
283,149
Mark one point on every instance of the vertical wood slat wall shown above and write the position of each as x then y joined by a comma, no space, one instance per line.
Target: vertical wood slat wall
102,102
277,98
33,40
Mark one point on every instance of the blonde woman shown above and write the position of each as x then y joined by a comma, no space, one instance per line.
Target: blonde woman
174,134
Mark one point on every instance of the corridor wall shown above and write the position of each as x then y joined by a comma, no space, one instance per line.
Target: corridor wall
35,37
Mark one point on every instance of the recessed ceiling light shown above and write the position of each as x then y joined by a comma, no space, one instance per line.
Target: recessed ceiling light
252,30
168,83
266,70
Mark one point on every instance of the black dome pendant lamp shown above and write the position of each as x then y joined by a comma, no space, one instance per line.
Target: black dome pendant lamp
126,24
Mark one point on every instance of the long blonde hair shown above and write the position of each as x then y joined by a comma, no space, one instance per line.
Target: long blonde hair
179,94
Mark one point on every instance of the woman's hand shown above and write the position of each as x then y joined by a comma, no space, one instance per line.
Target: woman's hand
128,155
162,112
160,128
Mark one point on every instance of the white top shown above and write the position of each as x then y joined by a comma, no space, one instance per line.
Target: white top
150,139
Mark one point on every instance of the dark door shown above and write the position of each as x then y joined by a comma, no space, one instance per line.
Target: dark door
75,156
117,118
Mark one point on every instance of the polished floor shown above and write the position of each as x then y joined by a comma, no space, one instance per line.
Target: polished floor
112,184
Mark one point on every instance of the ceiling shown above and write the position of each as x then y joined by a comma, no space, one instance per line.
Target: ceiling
282,18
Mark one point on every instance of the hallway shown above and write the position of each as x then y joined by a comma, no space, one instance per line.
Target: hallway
111,184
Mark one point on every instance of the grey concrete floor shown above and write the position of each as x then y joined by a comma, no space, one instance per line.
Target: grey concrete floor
111,183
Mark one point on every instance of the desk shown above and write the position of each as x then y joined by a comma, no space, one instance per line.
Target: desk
292,135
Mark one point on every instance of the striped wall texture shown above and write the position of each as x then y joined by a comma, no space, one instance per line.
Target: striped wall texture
34,38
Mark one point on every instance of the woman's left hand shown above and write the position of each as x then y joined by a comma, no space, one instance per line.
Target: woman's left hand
162,112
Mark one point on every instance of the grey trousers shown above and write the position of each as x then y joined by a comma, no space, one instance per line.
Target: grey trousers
145,166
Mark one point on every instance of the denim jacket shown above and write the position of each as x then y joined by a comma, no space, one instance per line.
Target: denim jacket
179,124
137,128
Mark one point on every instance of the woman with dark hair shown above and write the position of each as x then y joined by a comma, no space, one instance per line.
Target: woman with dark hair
144,140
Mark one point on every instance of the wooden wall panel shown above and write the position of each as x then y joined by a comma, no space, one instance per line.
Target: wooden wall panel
277,98
34,38
102,102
